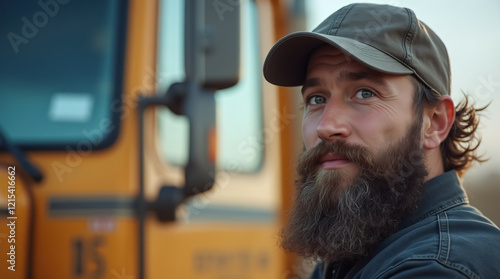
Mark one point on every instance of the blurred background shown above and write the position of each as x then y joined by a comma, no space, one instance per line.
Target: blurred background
139,139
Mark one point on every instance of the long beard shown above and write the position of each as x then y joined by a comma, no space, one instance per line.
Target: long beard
331,221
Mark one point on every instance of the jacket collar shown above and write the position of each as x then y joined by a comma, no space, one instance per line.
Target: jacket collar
438,194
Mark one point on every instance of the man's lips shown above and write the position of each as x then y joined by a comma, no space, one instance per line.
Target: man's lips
333,161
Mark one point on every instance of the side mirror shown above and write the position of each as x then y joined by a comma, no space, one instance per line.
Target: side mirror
212,40
212,62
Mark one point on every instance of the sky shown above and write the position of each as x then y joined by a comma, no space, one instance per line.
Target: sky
470,32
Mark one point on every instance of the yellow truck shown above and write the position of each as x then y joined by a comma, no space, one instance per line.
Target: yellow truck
139,140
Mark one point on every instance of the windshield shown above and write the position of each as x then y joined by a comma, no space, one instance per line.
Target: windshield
60,72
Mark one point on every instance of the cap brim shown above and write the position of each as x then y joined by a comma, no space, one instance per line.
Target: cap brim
286,63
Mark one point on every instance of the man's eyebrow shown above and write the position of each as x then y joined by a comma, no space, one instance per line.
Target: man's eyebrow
355,76
310,82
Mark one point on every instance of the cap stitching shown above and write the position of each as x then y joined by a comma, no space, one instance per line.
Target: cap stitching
381,59
407,55
335,26
411,37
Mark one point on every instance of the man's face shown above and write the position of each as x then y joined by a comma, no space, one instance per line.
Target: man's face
344,100
363,166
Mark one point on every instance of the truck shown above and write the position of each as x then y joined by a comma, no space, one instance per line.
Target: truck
139,140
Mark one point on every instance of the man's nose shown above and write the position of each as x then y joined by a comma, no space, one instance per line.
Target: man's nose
334,122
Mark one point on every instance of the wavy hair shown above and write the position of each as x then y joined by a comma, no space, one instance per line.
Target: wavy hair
459,149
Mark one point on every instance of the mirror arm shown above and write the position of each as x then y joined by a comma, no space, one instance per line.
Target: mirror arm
170,196
173,99
199,170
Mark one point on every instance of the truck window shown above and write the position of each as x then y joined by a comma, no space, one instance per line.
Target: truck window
60,72
239,109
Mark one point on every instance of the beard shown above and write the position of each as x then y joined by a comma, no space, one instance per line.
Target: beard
336,217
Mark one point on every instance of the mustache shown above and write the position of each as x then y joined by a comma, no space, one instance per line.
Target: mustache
357,154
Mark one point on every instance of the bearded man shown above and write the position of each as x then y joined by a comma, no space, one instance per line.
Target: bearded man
378,194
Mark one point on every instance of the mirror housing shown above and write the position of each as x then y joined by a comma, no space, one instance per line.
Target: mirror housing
212,41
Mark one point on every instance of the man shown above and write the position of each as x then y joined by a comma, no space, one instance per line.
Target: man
378,194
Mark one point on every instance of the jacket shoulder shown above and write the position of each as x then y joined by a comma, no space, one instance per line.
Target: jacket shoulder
459,242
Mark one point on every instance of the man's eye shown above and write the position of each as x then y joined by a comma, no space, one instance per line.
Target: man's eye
316,100
364,94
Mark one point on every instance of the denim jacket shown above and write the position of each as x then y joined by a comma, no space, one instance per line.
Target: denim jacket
445,238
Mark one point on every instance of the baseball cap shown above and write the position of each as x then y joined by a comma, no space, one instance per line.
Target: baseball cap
385,38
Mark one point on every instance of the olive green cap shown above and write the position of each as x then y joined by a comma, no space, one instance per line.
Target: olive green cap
385,38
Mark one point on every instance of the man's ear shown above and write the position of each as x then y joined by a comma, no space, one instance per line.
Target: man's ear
438,121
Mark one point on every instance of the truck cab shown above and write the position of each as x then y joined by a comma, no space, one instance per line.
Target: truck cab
139,140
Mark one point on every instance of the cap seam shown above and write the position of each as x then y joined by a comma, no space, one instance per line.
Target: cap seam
335,26
407,54
374,57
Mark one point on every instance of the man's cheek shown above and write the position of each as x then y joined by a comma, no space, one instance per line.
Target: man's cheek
309,134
